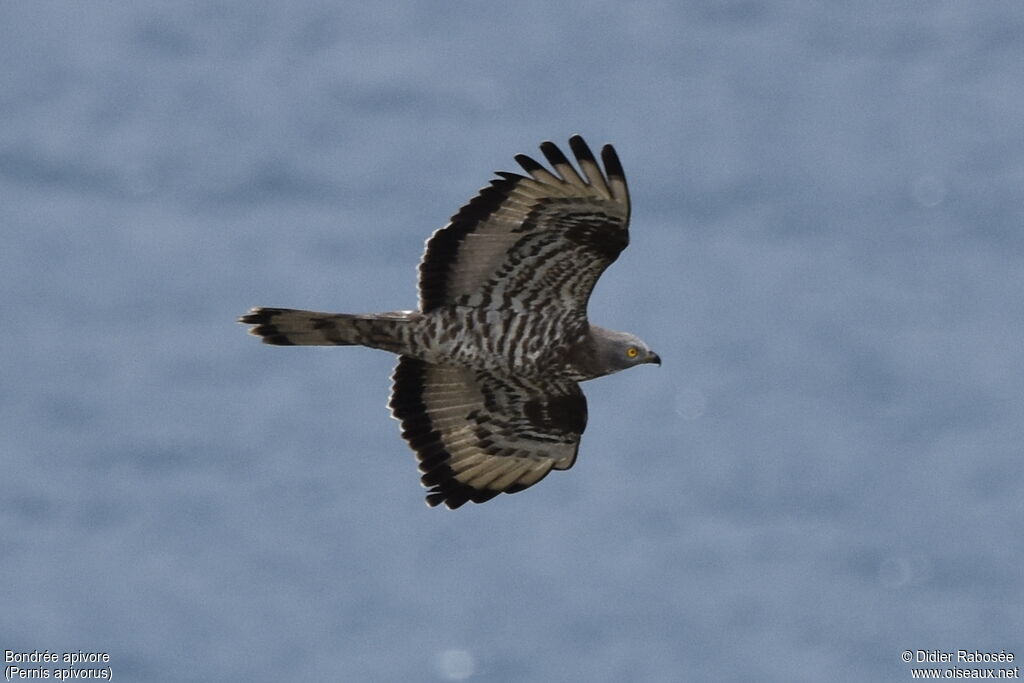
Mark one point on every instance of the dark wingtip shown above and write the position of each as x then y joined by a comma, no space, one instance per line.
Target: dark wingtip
253,317
262,320
581,149
275,339
612,165
553,154
259,315
506,178
528,163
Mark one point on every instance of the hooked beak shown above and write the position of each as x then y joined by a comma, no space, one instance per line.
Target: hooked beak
654,358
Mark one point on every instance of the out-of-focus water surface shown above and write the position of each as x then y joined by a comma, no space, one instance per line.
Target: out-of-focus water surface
828,254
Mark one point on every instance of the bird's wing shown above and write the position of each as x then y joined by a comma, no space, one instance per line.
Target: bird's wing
532,242
477,435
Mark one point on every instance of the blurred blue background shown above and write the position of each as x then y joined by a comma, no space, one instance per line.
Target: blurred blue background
828,253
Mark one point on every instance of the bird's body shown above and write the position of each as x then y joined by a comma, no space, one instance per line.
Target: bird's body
502,341
486,385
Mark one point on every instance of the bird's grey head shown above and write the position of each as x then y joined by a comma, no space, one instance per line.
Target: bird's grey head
614,350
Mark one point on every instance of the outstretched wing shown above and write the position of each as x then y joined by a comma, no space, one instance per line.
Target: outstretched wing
532,242
477,435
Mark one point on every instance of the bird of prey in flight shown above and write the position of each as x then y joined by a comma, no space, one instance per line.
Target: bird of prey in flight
487,382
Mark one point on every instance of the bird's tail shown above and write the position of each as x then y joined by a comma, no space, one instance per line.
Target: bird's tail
288,327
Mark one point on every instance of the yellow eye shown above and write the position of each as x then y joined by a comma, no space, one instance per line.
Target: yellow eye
632,352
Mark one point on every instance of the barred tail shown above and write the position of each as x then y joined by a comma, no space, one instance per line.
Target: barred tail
288,327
